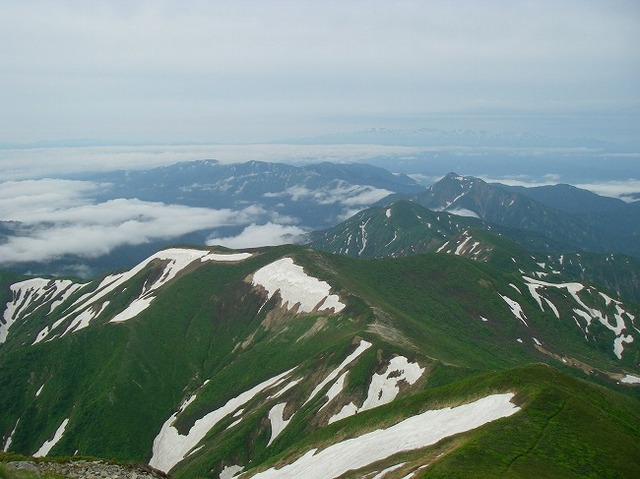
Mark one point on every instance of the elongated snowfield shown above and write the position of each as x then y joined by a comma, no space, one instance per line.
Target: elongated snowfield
10,438
413,433
33,292
170,447
48,445
384,387
90,305
277,421
616,324
296,287
362,347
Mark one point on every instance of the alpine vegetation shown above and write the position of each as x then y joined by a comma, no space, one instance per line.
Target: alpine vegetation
290,362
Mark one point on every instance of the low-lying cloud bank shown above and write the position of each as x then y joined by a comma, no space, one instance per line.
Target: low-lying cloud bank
55,218
269,234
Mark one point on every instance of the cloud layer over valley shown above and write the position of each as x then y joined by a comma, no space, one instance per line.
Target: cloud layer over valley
53,218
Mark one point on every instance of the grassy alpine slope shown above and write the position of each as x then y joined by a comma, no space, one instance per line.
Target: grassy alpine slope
213,364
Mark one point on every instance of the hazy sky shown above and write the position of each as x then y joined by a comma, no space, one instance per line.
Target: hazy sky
237,71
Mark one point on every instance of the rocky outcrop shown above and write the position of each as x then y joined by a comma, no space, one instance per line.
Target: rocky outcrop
87,470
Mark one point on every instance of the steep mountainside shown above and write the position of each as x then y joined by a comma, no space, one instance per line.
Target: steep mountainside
404,228
614,218
569,199
400,229
532,223
289,362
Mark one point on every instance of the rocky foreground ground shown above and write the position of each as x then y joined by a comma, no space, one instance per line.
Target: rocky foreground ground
85,470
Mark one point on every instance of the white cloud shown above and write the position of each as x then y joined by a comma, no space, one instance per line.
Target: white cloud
338,192
518,180
269,234
463,212
59,218
616,189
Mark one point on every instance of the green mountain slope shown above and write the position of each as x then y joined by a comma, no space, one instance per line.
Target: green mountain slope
405,228
208,363
400,229
537,213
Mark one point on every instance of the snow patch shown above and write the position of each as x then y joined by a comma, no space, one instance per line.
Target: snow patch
29,295
335,389
296,287
10,438
627,379
277,421
382,473
412,433
48,445
618,344
362,347
347,410
384,387
170,447
225,257
516,309
229,472
616,324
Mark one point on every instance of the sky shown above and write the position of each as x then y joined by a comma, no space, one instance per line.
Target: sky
157,82
256,71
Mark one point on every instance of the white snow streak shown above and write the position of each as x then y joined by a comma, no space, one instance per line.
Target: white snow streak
618,344
363,235
10,438
277,421
384,387
616,324
296,287
32,292
362,347
170,447
516,309
412,433
335,389
176,259
48,445
382,473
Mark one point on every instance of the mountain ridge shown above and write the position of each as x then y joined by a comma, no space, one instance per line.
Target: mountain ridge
239,359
